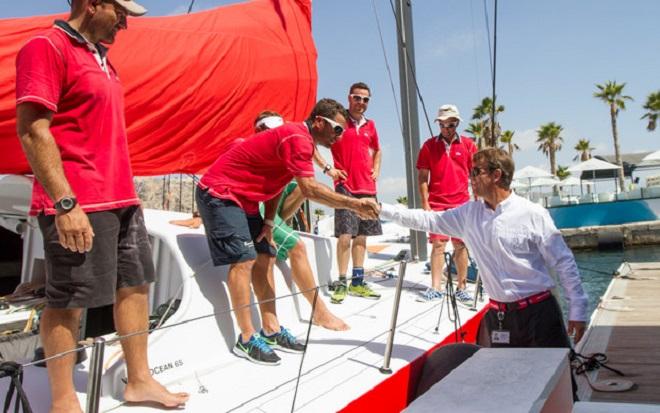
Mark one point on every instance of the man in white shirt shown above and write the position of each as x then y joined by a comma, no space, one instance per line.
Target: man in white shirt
515,243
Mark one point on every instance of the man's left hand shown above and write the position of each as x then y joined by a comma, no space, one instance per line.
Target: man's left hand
266,233
576,328
374,174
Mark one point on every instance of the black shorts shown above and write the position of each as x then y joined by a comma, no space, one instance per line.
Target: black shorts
230,232
120,257
347,221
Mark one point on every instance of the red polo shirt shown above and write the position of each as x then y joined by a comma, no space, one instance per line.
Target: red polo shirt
353,153
449,170
61,71
258,168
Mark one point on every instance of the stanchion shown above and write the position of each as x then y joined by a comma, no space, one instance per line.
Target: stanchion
95,372
395,312
477,292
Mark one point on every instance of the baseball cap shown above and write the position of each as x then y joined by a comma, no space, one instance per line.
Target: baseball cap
448,111
133,8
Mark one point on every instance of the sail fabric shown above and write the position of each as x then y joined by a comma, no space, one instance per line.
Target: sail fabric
192,83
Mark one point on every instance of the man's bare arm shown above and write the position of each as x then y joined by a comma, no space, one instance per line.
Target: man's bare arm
291,204
33,126
375,173
423,184
365,207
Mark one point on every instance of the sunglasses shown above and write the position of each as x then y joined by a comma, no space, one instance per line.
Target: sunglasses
360,98
335,126
476,171
449,125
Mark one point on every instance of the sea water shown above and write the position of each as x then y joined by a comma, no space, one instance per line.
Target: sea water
598,267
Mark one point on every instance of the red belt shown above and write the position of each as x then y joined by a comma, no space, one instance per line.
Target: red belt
520,304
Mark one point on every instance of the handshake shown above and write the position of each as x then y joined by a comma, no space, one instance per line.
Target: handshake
366,208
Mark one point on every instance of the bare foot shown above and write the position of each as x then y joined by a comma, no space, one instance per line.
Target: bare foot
330,321
152,391
193,223
66,406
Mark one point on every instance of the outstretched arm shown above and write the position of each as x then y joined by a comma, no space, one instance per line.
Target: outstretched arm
367,208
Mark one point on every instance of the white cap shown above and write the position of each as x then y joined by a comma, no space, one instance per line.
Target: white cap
447,112
270,122
132,7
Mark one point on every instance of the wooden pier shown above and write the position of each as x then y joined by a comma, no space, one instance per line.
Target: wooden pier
626,327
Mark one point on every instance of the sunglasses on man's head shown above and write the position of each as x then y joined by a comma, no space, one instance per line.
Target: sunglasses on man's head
452,125
360,98
335,126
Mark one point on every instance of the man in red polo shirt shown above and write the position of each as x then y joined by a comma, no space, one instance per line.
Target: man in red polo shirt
228,195
70,117
356,168
443,170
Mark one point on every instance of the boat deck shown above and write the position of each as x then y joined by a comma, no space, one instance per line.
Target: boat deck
626,327
195,356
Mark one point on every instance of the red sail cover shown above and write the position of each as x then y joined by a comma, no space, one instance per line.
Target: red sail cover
193,83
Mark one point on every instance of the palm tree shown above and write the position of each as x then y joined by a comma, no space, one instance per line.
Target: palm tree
549,141
562,172
403,200
583,147
612,94
476,130
484,113
653,110
318,212
507,137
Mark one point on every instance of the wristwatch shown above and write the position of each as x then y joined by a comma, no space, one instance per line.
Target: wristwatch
326,168
269,222
66,204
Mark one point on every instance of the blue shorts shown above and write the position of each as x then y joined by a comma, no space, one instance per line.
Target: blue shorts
230,232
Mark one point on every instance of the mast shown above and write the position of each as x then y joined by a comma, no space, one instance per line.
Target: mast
409,117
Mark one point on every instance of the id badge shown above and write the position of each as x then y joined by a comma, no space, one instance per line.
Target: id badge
499,337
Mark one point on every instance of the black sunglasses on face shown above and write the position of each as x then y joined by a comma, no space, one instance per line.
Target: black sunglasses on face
360,98
448,125
476,171
337,128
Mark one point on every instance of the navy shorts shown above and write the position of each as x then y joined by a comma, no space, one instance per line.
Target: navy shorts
120,257
230,232
348,222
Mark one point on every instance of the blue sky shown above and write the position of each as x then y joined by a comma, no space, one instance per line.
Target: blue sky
550,55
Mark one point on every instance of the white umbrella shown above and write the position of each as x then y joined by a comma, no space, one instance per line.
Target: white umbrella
593,164
545,182
517,184
570,181
652,159
531,172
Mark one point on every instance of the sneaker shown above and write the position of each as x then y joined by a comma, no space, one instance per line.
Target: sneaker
333,285
431,294
284,341
464,297
363,290
257,351
339,294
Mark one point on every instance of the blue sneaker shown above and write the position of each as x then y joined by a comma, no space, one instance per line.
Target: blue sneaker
431,294
257,351
464,297
283,340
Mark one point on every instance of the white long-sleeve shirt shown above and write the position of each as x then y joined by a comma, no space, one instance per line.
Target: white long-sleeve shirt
513,245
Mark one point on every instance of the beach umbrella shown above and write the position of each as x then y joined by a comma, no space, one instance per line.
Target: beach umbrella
551,181
594,165
573,181
531,172
652,159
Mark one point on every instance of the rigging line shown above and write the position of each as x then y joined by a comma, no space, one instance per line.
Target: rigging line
192,2
414,75
490,49
474,46
387,66
493,123
302,359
